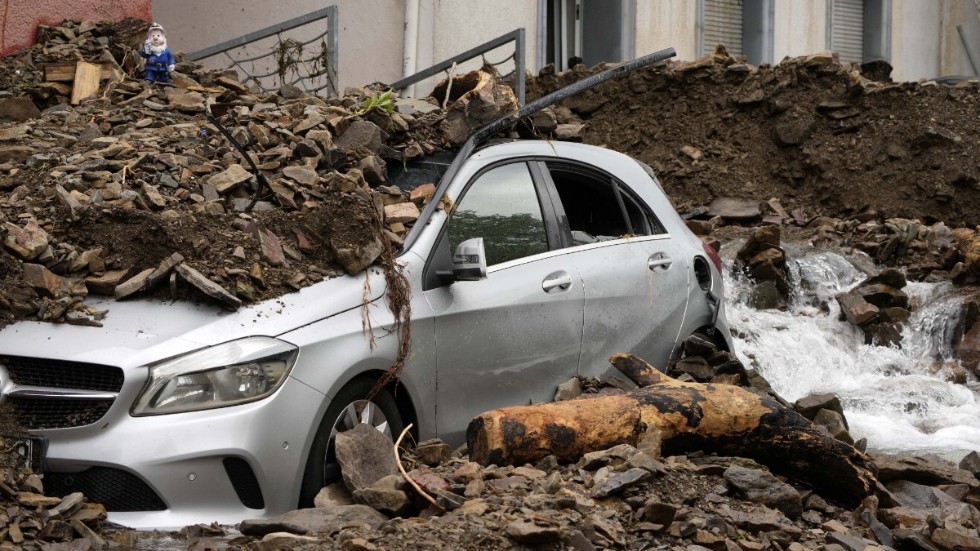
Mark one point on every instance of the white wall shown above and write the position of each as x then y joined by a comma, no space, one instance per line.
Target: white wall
667,24
916,28
370,36
800,28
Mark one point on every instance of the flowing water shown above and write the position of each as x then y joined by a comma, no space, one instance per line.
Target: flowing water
899,399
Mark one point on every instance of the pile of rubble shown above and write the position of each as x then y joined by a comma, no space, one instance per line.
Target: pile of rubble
140,185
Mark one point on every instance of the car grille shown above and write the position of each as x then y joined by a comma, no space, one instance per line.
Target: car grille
119,491
49,413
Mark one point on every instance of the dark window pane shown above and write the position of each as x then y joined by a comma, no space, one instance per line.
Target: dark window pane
502,207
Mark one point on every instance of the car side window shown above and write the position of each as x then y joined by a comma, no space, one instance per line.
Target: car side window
597,209
502,207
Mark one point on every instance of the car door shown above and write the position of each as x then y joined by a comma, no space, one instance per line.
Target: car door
634,274
512,338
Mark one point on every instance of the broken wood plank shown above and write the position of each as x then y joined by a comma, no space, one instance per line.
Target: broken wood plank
686,416
65,72
86,84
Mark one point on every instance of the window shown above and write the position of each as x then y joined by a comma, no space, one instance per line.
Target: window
742,26
859,30
594,31
502,207
596,208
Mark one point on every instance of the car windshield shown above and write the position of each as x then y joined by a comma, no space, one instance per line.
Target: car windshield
428,170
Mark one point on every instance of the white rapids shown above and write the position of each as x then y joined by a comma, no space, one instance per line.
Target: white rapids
899,399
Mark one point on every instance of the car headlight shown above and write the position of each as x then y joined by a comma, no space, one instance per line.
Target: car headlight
228,374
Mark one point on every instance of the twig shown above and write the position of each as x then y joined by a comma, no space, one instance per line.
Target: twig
449,86
401,469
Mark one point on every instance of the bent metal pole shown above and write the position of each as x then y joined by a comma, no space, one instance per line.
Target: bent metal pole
502,124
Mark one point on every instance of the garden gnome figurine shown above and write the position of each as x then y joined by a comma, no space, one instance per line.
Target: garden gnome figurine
159,58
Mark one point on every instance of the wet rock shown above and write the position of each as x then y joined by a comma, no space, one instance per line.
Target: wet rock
304,521
922,470
834,423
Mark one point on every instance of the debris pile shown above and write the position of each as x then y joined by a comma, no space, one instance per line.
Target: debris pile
140,186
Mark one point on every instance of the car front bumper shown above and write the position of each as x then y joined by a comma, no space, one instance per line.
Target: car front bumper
221,465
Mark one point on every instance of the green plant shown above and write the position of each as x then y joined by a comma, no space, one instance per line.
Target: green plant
384,100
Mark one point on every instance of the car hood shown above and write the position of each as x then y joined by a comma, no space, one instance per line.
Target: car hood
138,332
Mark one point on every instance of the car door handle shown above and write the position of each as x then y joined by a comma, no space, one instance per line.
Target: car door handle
659,261
560,280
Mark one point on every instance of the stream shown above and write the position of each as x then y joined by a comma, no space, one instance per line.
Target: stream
899,399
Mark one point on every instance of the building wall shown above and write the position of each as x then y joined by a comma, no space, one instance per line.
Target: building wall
371,32
915,39
19,18
667,24
924,39
800,28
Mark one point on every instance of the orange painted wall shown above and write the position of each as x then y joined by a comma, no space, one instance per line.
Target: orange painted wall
19,18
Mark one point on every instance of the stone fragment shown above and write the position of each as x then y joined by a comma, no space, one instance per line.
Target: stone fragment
47,283
231,178
734,209
27,242
19,109
402,212
619,481
304,521
365,457
208,287
433,452
529,532
763,487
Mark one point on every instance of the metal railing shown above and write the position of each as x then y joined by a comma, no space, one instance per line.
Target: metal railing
516,36
308,63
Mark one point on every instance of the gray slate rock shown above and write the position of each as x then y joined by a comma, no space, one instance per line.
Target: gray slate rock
365,456
763,487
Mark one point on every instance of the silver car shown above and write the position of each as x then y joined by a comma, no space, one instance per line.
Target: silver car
552,257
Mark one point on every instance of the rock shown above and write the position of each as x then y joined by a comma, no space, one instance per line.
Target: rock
47,283
529,532
971,463
304,521
365,456
387,495
968,349
793,133
231,178
855,309
356,259
402,212
921,470
569,390
27,242
809,406
208,287
952,540
360,135
19,109
735,209
834,423
617,482
433,452
333,495
763,487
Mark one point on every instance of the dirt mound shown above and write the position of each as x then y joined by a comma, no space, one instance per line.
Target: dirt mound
810,131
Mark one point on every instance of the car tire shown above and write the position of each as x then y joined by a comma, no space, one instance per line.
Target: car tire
344,413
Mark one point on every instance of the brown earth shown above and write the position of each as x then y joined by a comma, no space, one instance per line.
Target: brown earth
807,131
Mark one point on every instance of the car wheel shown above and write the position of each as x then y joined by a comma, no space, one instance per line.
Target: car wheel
348,409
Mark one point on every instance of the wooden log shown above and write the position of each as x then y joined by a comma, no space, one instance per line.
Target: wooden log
517,435
87,76
726,419
65,72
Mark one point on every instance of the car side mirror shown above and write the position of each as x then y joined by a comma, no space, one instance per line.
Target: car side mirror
470,260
